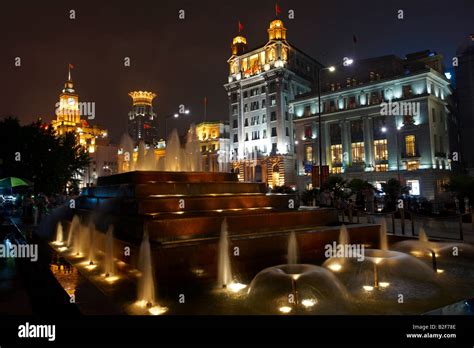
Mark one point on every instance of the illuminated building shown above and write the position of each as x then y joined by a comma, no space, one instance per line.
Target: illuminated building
261,83
215,145
142,118
380,117
68,117
72,116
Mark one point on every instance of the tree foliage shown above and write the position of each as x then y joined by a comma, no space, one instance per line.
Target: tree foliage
34,152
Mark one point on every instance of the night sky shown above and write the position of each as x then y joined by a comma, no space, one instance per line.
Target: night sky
185,60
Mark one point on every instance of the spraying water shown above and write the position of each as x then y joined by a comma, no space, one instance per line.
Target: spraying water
59,233
126,144
141,165
292,255
422,237
146,283
343,235
74,228
109,264
383,235
92,243
224,270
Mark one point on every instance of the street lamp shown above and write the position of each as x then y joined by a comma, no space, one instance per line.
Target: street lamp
175,115
331,68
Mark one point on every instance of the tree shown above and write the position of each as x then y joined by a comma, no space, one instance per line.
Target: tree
393,189
337,185
462,185
34,152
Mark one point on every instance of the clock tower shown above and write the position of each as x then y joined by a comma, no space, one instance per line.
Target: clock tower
68,109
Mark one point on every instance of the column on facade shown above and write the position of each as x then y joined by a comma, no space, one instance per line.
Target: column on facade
346,143
369,142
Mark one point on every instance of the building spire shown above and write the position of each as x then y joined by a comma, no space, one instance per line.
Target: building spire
70,66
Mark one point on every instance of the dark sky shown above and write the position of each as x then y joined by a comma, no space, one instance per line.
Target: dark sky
185,60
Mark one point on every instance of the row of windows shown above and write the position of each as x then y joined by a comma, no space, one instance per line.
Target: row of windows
255,135
255,120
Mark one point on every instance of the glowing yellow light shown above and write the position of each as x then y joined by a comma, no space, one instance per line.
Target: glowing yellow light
377,260
111,279
368,288
440,271
308,302
285,309
91,267
157,310
336,267
236,287
142,97
62,248
384,284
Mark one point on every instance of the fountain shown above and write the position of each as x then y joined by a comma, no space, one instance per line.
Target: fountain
92,249
383,234
73,228
146,283
422,237
126,144
224,269
343,235
173,156
292,255
109,265
141,165
192,151
296,288
59,234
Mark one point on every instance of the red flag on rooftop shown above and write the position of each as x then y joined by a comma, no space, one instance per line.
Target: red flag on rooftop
71,66
277,9
241,27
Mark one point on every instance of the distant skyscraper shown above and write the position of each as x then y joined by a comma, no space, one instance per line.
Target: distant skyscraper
465,98
142,118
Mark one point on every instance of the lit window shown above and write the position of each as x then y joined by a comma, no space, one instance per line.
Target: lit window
381,167
336,153
413,165
381,150
410,145
309,153
336,170
358,153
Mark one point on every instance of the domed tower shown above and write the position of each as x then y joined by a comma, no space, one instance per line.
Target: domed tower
239,45
68,108
277,30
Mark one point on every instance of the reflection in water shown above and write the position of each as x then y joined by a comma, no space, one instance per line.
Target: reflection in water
66,274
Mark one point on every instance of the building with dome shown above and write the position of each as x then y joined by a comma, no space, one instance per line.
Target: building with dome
73,116
261,83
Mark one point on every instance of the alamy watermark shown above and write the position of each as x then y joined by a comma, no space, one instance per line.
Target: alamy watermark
355,251
19,251
400,108
68,108
28,330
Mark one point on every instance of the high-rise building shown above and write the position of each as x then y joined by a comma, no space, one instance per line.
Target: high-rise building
261,83
465,98
384,117
142,119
